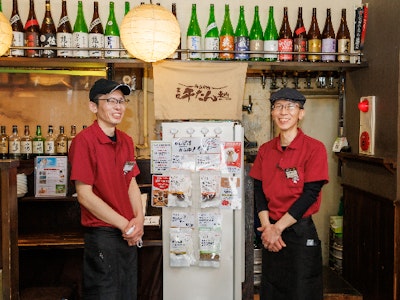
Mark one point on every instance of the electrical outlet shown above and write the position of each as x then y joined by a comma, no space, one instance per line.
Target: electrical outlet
367,125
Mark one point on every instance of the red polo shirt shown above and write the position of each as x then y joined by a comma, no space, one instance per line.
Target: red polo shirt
99,162
274,167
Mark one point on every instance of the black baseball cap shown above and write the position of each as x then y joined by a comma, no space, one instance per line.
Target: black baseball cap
104,86
288,94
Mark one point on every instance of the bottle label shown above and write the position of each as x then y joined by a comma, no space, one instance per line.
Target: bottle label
271,45
14,147
210,27
343,47
94,23
300,45
211,43
194,43
48,40
242,43
256,45
38,147
4,146
49,147
80,40
285,45
227,42
314,45
14,19
61,147
32,40
26,147
96,40
32,22
328,45
111,42
18,41
63,21
300,30
64,40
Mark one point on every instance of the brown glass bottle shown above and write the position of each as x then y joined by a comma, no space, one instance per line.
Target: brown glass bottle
32,32
285,40
343,39
300,37
64,33
96,33
17,30
48,33
328,39
314,42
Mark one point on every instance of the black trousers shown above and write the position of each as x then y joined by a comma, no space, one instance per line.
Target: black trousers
109,267
295,272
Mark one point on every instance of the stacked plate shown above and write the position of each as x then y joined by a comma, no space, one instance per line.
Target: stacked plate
22,185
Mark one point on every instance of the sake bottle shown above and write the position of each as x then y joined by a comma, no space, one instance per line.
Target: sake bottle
49,142
96,33
38,142
111,35
71,136
226,37
211,38
26,144
61,142
80,36
256,37
343,39
299,37
242,39
32,32
194,35
125,53
285,41
176,54
271,37
64,33
3,143
14,144
17,31
48,34
314,42
328,39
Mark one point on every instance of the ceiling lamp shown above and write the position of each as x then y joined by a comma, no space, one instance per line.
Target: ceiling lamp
150,32
5,34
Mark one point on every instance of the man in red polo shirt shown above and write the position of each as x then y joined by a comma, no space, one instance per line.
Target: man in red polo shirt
103,168
289,172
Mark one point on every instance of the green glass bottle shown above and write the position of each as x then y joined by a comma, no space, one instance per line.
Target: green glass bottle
256,37
125,53
242,39
80,36
38,142
211,38
194,35
271,37
111,34
1,9
226,37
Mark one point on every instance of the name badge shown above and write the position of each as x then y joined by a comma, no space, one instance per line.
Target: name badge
291,173
129,166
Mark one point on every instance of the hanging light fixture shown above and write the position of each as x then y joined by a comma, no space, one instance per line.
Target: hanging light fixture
150,32
5,34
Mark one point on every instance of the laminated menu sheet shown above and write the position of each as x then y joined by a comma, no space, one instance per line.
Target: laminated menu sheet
51,176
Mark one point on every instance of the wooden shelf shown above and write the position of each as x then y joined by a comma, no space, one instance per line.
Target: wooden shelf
389,163
64,240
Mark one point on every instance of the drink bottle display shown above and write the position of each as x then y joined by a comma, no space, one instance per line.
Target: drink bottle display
176,54
26,144
271,37
111,35
343,39
242,39
211,38
299,37
72,135
49,142
64,32
32,32
80,36
194,35
314,42
96,33
256,37
61,142
285,41
226,37
328,39
48,34
14,144
3,143
38,142
125,53
17,31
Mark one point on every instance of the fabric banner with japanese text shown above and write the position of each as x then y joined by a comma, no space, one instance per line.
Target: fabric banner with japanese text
199,90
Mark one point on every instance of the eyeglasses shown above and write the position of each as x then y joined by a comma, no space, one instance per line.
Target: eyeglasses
288,107
114,101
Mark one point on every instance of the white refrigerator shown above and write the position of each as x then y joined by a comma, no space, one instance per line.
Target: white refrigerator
222,281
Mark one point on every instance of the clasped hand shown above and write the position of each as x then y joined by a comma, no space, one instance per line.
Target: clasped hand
271,237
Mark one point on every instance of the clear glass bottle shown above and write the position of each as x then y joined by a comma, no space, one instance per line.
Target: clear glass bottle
256,37
96,33
343,39
38,142
242,39
211,38
226,37
80,36
111,35
17,31
71,136
3,143
64,33
14,144
62,142
299,37
50,142
193,35
271,37
32,32
285,41
314,41
26,144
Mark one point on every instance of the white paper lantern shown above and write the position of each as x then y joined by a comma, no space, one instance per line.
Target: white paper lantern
5,34
150,32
